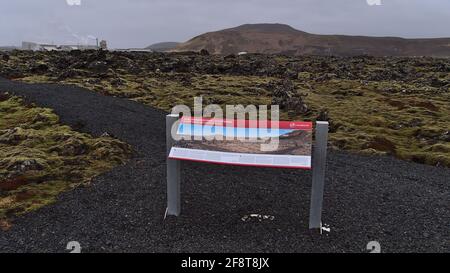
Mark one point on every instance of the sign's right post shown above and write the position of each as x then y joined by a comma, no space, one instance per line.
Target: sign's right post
318,174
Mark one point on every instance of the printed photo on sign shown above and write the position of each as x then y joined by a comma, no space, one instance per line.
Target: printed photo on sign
240,142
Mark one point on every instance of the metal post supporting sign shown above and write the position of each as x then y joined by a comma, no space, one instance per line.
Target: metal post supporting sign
318,175
173,171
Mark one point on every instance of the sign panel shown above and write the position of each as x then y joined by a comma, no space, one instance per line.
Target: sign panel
283,144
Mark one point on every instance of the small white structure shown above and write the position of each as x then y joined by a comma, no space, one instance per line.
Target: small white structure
50,47
242,53
30,46
69,47
78,47
38,47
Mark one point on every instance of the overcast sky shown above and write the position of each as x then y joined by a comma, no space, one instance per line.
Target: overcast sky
138,23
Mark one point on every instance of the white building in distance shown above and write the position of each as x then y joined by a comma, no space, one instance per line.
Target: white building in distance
47,47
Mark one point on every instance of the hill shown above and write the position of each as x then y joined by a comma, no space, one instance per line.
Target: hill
283,39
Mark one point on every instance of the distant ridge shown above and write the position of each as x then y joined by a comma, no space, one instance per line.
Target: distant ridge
7,48
284,39
162,47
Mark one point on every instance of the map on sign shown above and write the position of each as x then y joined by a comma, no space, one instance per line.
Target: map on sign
244,142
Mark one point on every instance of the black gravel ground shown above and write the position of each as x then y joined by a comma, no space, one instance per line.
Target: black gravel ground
402,205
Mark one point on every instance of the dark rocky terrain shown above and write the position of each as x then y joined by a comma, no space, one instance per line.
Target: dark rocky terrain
386,106
402,205
283,39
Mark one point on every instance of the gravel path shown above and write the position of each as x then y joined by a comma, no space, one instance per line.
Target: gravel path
404,206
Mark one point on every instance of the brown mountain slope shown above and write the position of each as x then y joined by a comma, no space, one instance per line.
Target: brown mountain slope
279,38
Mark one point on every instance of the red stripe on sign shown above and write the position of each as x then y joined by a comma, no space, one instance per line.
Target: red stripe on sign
240,123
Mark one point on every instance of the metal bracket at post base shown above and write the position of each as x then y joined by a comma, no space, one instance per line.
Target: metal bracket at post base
318,176
173,172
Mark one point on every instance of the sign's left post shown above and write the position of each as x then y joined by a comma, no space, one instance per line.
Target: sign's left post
173,171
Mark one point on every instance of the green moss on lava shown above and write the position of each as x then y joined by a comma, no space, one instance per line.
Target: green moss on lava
42,158
397,106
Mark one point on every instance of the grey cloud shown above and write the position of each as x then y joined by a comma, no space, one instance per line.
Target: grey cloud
137,23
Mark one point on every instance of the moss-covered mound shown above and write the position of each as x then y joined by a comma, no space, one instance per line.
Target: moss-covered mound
396,106
40,158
